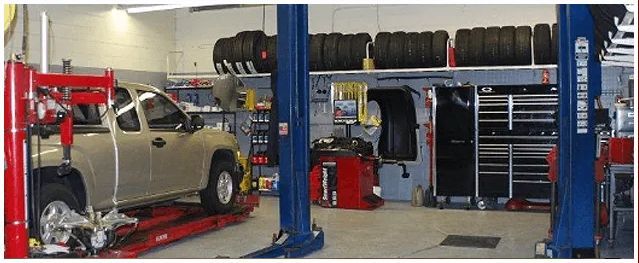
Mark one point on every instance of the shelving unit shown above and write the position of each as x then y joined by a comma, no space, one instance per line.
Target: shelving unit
259,141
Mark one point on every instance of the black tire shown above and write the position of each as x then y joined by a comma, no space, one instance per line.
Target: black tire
218,54
271,53
329,51
344,52
440,48
412,57
382,40
507,45
554,52
315,51
249,47
476,46
541,44
238,46
522,45
396,49
259,49
55,192
462,52
425,49
358,49
209,196
491,46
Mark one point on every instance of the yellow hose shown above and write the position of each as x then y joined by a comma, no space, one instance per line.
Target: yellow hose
9,15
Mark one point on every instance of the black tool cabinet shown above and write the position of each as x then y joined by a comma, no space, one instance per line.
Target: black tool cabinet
514,129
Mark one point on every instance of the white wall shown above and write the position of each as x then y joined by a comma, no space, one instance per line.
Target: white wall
98,36
197,32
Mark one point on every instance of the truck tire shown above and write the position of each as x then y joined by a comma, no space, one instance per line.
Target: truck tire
412,58
440,48
219,195
554,53
476,46
218,54
507,45
315,51
425,49
259,47
522,45
344,52
55,199
541,44
396,49
462,54
271,53
382,39
329,50
491,46
236,53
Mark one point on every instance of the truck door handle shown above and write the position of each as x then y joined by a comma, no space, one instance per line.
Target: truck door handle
158,142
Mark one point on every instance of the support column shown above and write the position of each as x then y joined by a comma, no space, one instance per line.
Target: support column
579,75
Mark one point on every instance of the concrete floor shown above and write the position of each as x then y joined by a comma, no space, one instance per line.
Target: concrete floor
395,230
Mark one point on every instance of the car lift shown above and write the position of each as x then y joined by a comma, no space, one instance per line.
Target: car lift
579,79
297,237
166,224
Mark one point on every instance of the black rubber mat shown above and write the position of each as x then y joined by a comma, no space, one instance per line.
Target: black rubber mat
470,241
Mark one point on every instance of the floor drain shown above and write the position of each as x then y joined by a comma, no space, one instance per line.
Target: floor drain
470,241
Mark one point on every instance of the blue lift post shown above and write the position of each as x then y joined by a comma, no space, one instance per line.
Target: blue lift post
579,77
297,237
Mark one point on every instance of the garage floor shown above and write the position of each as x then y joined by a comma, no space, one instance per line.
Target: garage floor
395,230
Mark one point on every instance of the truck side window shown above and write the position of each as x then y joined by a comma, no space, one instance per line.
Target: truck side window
86,114
159,111
126,115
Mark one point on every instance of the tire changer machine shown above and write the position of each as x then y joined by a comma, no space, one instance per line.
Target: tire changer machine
344,169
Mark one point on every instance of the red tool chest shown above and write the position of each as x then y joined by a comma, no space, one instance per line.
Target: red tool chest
621,150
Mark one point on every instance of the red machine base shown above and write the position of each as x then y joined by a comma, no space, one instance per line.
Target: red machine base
159,226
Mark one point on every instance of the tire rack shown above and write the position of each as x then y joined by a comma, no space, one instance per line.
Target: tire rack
511,161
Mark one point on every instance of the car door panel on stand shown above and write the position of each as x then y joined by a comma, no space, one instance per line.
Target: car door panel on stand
454,141
167,137
134,154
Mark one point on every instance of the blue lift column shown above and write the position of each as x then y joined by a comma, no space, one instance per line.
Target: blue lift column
297,236
579,78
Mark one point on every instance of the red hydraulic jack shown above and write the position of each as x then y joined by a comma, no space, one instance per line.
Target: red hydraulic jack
159,226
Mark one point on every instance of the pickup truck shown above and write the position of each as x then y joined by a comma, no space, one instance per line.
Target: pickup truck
140,151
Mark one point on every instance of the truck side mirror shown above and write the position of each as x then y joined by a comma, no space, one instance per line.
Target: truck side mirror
197,123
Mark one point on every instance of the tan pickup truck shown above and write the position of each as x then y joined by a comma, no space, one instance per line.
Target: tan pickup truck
142,150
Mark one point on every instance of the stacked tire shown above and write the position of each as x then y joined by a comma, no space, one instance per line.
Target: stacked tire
410,50
254,52
246,52
505,46
342,51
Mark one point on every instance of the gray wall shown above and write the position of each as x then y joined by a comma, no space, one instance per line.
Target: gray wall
394,187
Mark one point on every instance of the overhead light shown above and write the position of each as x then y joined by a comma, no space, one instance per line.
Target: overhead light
151,8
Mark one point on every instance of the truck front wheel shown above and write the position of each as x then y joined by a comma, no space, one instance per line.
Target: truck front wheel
219,195
55,201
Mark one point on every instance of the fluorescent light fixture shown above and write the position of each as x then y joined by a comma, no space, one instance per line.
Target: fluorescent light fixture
151,8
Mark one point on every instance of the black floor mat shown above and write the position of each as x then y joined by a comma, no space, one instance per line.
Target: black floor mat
470,241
